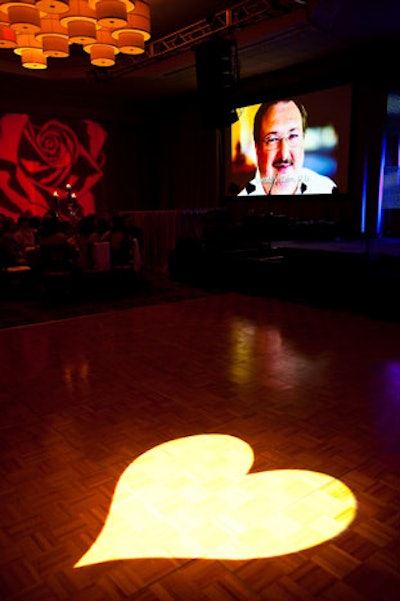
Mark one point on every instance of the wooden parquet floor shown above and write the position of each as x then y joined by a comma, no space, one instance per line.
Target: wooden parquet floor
89,406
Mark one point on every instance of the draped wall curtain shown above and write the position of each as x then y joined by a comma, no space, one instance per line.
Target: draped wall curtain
189,163
162,159
40,156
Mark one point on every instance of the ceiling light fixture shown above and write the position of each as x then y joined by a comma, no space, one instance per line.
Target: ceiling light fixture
38,29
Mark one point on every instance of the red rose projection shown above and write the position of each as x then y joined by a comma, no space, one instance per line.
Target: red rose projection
40,157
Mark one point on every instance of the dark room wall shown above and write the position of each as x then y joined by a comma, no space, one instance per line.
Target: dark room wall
161,156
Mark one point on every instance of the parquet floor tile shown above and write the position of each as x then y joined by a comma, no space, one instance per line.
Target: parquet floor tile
87,401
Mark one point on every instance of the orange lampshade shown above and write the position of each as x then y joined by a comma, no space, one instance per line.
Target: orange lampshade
27,41
4,20
130,42
33,58
80,21
138,21
56,7
54,37
31,52
81,32
102,53
55,47
102,56
103,27
111,13
7,37
50,25
129,4
5,4
79,10
24,19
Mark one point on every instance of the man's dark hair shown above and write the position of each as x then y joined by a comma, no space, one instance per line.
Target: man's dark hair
264,108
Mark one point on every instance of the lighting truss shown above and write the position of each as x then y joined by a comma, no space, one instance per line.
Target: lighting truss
241,15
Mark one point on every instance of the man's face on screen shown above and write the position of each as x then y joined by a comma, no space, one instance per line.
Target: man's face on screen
280,150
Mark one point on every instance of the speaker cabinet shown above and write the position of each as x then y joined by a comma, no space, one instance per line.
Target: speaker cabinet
217,78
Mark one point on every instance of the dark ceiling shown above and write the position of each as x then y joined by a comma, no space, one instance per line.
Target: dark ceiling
270,35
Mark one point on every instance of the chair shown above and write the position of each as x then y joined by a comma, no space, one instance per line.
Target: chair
94,281
14,279
57,270
101,256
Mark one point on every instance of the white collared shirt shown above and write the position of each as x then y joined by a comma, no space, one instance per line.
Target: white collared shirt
311,182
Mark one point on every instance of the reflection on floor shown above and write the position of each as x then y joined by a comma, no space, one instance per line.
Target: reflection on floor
304,388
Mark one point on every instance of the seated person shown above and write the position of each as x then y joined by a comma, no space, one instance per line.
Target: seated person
12,253
121,242
24,234
57,251
86,237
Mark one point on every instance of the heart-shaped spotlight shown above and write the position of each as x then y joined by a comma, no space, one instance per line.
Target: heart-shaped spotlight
193,497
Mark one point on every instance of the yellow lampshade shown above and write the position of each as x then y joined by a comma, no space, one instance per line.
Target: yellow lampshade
33,58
